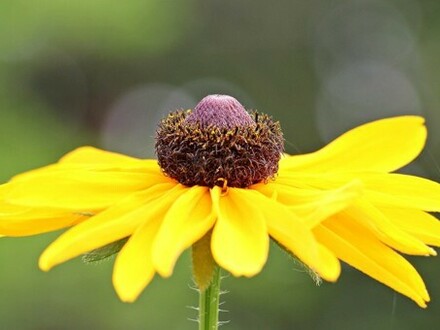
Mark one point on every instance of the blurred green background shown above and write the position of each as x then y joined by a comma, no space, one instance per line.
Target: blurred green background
104,72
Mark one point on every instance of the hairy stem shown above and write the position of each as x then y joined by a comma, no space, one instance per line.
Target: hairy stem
209,302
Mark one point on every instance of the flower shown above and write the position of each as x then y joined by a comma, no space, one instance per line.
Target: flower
223,186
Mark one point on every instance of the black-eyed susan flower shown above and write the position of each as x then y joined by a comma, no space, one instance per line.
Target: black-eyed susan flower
222,185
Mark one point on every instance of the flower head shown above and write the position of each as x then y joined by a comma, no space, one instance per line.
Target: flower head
222,186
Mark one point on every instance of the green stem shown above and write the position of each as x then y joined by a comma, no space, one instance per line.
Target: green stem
209,302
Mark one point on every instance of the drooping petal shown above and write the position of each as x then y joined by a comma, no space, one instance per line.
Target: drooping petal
419,224
23,221
332,202
369,216
401,190
115,223
320,180
292,233
383,145
356,246
312,205
388,190
133,269
79,190
188,219
240,242
329,261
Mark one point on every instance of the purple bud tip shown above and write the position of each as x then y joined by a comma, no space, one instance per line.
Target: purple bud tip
221,111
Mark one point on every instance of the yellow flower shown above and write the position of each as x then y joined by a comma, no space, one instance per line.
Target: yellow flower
228,200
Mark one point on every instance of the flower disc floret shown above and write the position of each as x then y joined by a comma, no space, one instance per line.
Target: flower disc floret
201,152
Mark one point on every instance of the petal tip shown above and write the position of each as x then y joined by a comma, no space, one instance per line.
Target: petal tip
165,272
162,262
125,292
332,273
331,277
241,270
43,264
422,303
126,297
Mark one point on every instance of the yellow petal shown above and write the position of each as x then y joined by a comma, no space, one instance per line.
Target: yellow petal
383,145
370,217
294,192
133,269
332,202
419,224
98,159
312,205
188,219
92,159
386,189
240,242
31,173
402,191
318,180
79,190
23,221
359,248
92,155
291,232
330,262
3,190
115,223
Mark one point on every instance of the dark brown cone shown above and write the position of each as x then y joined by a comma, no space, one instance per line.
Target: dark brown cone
206,153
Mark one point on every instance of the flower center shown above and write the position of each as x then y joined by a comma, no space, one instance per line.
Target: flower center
219,143
221,111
